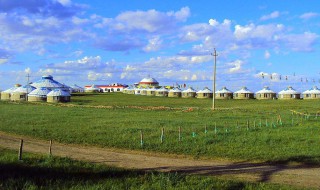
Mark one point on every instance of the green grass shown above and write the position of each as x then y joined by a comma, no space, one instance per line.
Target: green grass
39,172
120,126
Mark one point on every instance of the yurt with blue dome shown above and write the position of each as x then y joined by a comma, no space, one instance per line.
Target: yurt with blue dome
48,82
58,95
313,93
39,95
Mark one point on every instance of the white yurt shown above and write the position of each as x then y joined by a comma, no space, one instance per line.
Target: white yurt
151,91
313,93
224,93
76,89
6,95
146,82
266,94
20,94
189,93
129,90
244,93
48,82
205,93
92,89
58,95
38,95
175,92
162,92
289,93
137,90
144,91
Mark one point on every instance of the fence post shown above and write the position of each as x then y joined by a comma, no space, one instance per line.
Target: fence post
20,150
162,135
179,134
50,148
141,138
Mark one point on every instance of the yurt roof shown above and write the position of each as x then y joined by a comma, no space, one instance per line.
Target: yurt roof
162,89
40,92
24,89
313,90
10,90
175,90
205,90
289,90
76,87
190,89
148,80
265,90
58,92
47,81
151,89
224,90
244,90
93,87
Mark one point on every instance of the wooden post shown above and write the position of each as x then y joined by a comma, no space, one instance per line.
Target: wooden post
20,150
247,125
179,134
141,138
50,148
162,135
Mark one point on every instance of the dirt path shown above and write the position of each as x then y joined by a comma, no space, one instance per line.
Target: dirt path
292,174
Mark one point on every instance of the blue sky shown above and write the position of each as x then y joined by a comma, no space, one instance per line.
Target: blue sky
100,42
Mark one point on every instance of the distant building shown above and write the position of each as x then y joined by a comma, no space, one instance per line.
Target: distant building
243,93
115,87
205,93
265,93
148,82
289,93
313,93
224,93
189,93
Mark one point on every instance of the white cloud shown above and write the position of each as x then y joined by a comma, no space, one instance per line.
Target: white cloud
94,76
267,54
3,61
309,15
236,66
153,45
272,15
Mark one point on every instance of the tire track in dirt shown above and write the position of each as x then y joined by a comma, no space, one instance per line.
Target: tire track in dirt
292,174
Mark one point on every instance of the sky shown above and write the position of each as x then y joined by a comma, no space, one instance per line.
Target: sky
271,43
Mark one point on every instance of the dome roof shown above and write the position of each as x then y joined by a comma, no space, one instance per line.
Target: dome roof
205,90
58,92
162,89
224,90
151,89
313,90
24,89
289,90
265,90
40,92
148,80
175,90
190,89
10,90
244,90
47,81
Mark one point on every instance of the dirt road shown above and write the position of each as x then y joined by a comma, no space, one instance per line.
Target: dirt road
292,174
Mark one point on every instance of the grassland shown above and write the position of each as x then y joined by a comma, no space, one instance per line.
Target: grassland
227,134
39,172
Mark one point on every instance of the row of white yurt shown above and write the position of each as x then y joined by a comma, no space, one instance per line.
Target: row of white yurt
21,93
6,95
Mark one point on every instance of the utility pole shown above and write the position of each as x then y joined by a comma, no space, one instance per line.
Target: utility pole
214,54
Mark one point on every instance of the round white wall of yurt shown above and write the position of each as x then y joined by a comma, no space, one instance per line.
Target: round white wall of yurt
244,93
288,94
313,93
6,95
224,94
144,91
146,82
189,93
137,91
58,95
38,95
175,93
20,94
129,90
266,94
92,89
162,92
151,91
205,93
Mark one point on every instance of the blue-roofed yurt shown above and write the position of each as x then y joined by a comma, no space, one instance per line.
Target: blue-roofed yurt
313,93
39,94
6,95
58,95
48,82
20,94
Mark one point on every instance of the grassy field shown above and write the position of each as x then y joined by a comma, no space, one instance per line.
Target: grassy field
39,172
204,133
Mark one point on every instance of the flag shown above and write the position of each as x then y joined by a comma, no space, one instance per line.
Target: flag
286,77
262,75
